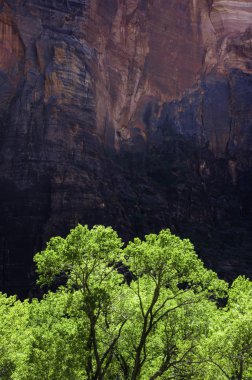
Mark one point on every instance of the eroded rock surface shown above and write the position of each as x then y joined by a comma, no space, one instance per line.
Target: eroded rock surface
130,113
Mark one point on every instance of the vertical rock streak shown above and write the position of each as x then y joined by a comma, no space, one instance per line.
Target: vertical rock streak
133,113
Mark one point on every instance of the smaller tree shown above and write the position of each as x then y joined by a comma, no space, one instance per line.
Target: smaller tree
229,347
15,339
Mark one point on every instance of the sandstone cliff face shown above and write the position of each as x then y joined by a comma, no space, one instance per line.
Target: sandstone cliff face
133,113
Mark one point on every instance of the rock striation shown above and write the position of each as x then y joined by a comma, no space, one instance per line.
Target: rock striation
132,113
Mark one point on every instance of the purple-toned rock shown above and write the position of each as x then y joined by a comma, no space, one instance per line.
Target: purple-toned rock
132,113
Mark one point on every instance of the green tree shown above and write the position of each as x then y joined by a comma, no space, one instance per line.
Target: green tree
171,301
228,350
14,337
166,323
87,259
144,329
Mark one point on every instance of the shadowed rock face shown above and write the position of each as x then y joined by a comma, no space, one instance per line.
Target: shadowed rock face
135,114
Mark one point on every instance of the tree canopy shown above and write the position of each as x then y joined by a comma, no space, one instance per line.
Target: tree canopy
148,310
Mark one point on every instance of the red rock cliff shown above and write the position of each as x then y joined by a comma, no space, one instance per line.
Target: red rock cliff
135,113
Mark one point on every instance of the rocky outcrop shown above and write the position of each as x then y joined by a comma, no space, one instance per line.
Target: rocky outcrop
131,113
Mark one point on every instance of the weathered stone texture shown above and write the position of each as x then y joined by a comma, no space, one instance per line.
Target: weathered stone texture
133,113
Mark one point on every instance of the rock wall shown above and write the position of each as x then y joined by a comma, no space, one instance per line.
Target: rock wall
131,113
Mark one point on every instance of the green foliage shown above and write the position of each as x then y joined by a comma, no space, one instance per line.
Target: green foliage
229,347
165,324
169,293
15,340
